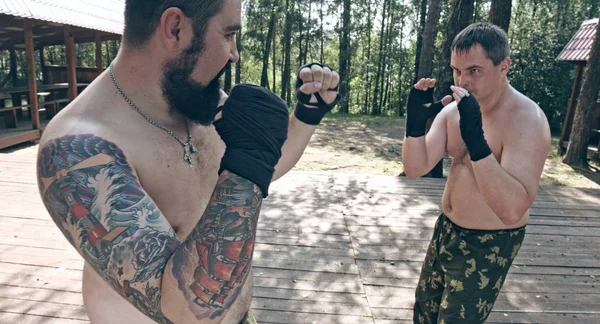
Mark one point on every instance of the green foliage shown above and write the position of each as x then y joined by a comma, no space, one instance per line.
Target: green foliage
539,30
538,33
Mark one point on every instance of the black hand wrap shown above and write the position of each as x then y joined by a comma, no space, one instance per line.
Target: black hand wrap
471,128
307,115
418,114
254,127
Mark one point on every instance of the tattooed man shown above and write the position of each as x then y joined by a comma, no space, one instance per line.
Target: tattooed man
161,202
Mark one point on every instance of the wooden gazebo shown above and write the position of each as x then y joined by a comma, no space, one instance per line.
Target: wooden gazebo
577,51
31,25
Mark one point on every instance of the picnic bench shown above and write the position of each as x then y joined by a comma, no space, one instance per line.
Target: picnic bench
56,93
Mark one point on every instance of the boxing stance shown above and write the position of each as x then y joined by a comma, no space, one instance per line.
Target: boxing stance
498,140
161,203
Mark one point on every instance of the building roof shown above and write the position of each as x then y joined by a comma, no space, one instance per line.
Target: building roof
99,15
579,47
86,18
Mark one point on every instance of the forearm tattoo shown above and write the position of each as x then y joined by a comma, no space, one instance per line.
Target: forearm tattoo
215,259
95,199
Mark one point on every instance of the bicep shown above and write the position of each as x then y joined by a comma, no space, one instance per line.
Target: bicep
94,197
523,157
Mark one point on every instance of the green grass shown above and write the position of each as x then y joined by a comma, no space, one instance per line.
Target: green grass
367,120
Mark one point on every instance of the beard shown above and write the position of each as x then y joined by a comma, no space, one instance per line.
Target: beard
190,98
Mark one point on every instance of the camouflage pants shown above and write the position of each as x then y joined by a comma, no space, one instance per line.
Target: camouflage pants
463,273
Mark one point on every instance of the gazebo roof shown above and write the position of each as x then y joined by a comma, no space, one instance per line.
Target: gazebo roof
86,17
579,47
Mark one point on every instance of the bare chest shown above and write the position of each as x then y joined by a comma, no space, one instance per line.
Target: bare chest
182,192
493,132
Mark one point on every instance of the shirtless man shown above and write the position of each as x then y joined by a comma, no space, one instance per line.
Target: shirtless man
498,140
161,204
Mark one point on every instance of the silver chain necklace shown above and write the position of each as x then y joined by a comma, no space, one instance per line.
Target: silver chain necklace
188,146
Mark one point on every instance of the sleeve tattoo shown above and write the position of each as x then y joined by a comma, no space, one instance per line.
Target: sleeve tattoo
95,199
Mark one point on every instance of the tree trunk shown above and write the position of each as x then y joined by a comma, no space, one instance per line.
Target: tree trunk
384,65
429,36
299,61
518,12
561,12
422,20
13,66
584,112
500,13
264,80
238,65
401,67
368,60
461,13
322,38
285,78
376,108
274,59
344,58
108,57
307,37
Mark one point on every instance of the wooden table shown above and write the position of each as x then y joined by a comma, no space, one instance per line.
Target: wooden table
10,114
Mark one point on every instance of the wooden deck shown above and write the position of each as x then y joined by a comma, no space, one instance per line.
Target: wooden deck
331,249
23,133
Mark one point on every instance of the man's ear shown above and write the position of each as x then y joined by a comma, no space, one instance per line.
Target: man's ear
505,65
173,29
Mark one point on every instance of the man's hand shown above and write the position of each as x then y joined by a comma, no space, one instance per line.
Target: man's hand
253,148
316,92
471,128
420,107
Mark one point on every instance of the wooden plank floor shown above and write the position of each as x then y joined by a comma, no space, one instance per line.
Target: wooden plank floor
23,133
331,249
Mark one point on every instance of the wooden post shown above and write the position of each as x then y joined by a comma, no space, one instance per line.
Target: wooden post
16,97
31,74
71,70
99,63
568,122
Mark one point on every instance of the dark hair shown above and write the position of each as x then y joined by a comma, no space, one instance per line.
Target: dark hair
491,37
142,17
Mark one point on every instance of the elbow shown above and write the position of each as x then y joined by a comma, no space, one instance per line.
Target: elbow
509,219
411,174
512,216
410,171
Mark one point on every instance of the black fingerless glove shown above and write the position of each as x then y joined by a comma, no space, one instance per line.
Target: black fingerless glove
417,113
307,115
254,127
471,128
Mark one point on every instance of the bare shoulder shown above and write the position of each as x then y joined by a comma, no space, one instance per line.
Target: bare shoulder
526,118
92,112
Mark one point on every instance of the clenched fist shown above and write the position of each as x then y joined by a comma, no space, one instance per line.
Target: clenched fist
316,92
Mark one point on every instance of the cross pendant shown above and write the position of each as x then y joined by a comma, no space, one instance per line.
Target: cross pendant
187,154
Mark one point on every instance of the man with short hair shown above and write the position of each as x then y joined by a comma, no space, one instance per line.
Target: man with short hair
498,140
162,205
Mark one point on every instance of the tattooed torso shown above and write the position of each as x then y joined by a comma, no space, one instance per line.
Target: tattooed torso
125,199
